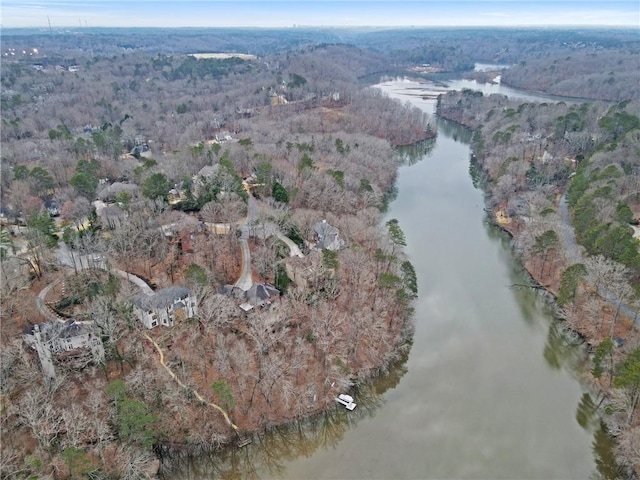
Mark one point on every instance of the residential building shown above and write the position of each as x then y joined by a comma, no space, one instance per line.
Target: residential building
165,307
302,271
328,237
262,294
110,192
52,207
70,341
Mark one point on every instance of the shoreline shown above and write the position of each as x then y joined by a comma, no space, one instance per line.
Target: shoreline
600,389
170,452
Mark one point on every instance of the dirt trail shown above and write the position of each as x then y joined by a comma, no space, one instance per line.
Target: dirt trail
195,392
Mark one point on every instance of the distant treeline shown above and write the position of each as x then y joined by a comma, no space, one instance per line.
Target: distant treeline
610,75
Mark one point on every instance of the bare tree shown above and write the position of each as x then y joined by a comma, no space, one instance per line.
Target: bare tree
76,426
134,464
37,412
109,322
611,282
628,445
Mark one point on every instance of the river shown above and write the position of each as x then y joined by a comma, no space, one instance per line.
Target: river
489,388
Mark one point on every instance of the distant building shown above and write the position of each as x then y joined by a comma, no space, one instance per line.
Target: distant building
139,149
71,342
52,207
110,192
328,237
223,136
165,307
277,99
200,179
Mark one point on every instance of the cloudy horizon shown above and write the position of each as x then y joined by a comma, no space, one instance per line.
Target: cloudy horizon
270,14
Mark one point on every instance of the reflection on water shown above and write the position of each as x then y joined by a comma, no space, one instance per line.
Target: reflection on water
563,349
267,455
477,174
489,390
411,154
606,465
452,130
586,413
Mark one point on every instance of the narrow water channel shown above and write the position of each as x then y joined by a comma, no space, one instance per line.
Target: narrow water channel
489,387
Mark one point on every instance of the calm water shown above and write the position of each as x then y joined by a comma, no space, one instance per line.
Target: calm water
488,389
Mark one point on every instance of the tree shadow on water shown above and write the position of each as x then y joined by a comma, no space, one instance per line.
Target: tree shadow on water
268,454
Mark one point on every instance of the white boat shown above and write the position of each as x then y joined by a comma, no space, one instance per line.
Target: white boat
346,400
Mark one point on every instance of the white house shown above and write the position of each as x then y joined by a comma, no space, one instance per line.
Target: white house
165,307
64,340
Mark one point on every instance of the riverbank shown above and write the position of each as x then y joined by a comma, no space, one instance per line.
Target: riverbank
477,398
531,216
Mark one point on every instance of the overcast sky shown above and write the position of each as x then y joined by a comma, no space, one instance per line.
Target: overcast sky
266,13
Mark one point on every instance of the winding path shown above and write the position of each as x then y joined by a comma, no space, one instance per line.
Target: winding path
252,227
44,309
245,281
81,262
195,392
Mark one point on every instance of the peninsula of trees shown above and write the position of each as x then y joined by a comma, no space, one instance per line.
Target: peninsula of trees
197,178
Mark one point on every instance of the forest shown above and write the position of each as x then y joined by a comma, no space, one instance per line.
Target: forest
125,157
133,163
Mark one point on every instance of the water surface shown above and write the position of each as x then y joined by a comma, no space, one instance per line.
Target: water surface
479,399
488,389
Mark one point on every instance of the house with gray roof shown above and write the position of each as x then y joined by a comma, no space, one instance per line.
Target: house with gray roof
201,178
110,192
111,216
262,294
165,307
328,236
64,341
52,207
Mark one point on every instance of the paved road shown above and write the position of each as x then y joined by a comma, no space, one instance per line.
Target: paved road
294,250
575,254
573,251
46,312
254,227
245,281
80,262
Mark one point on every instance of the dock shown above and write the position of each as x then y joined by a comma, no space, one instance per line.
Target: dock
243,442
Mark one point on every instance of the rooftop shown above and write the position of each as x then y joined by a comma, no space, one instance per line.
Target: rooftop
161,298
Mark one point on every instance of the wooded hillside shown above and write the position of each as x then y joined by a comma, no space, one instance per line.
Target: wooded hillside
585,249
137,163
595,73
